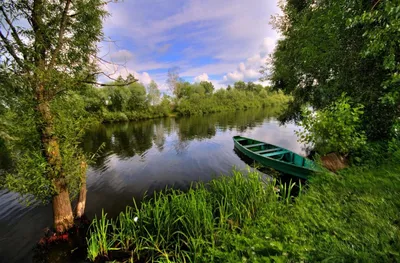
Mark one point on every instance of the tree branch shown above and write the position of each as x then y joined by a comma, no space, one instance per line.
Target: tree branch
109,85
14,34
11,50
63,23
375,4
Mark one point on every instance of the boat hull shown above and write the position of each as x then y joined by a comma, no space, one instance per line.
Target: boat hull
303,169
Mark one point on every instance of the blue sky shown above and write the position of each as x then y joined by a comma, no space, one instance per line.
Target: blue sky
222,41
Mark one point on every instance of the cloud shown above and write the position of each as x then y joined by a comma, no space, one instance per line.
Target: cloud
143,77
202,77
214,68
196,35
120,56
164,48
249,70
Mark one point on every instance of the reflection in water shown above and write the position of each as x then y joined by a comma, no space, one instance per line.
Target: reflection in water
140,157
135,138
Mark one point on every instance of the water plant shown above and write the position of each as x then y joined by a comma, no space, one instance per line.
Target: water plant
182,226
349,217
99,241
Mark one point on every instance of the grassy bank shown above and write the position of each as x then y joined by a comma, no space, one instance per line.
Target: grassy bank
353,216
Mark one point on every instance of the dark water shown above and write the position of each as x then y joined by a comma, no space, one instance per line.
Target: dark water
139,157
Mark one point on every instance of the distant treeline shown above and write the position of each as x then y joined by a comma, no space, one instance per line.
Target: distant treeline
136,101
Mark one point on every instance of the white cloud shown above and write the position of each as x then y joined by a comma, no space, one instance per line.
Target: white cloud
164,48
143,77
202,77
227,31
249,70
215,68
122,55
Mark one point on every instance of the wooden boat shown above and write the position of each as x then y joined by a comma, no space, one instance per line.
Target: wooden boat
276,157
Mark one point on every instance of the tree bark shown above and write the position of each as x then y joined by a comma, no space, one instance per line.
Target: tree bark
80,206
62,210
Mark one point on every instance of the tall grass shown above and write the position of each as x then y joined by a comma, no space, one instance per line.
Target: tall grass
98,242
182,226
351,217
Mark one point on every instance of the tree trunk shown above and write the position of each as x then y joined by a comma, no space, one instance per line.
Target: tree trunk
62,210
80,206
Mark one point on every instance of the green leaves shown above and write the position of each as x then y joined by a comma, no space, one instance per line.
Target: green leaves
332,47
334,129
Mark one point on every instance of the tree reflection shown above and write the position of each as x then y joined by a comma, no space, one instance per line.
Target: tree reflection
129,139
124,139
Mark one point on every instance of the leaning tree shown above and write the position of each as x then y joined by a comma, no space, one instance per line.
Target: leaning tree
47,52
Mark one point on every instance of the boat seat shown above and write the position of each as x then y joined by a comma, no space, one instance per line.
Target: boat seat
275,153
254,145
268,150
241,139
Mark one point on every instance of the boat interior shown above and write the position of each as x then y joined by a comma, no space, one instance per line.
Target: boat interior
271,151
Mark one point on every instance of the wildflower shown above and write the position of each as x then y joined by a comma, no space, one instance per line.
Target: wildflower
136,219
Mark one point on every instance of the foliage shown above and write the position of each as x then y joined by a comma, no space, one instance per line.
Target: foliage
71,122
123,103
332,47
382,42
334,129
238,218
230,100
208,87
47,57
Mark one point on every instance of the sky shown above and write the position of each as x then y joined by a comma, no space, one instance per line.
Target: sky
221,41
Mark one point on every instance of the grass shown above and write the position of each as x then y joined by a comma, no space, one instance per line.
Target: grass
350,217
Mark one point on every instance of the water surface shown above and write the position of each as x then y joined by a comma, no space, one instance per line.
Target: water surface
140,157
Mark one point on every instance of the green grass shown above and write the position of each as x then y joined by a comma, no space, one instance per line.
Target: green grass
350,217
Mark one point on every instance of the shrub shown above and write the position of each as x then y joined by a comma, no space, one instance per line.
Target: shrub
334,129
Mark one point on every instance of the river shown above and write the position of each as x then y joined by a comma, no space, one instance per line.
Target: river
143,156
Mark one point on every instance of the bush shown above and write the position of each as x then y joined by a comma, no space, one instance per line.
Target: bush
114,116
334,129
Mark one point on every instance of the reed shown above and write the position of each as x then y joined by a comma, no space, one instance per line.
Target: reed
99,241
182,226
351,217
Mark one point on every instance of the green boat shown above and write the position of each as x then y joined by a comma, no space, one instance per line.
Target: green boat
276,157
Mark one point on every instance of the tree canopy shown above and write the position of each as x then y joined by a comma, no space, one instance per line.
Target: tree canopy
332,47
47,55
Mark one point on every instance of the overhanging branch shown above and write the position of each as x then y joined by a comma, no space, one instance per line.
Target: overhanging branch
109,85
11,50
14,33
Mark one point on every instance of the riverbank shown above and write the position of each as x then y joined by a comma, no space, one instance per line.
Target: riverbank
352,216
221,101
